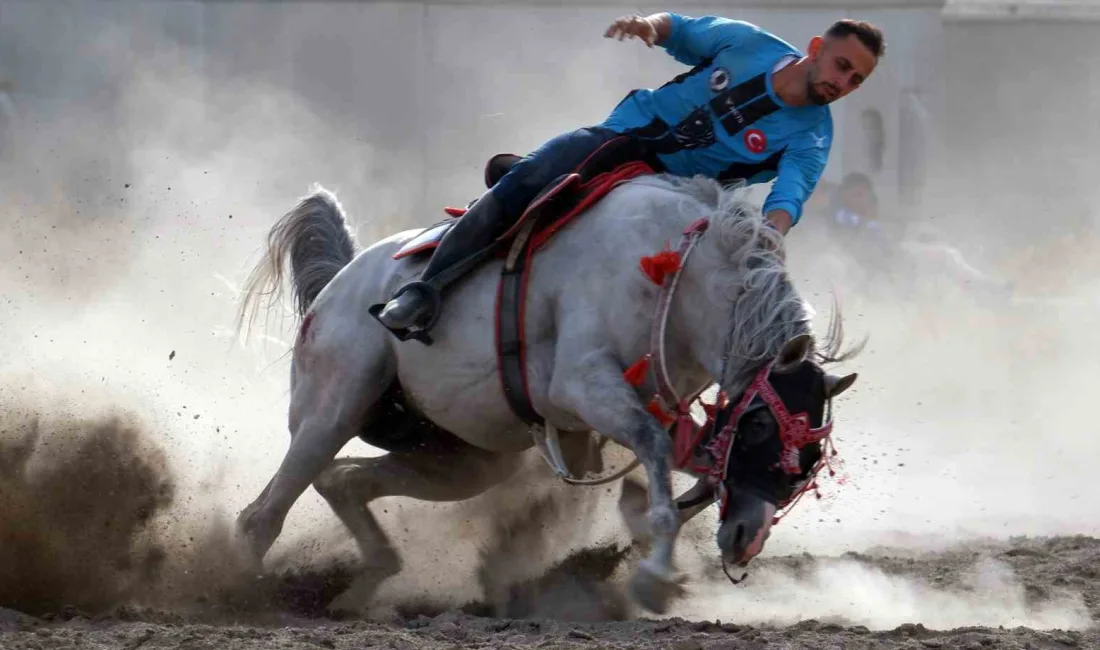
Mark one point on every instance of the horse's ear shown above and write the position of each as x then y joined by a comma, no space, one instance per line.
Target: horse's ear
794,352
836,385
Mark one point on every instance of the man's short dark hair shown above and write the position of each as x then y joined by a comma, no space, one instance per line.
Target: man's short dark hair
867,34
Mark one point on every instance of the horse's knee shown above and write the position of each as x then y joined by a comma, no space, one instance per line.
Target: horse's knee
325,484
663,521
338,480
651,440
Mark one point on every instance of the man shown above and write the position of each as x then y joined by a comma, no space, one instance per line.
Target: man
854,206
853,224
752,108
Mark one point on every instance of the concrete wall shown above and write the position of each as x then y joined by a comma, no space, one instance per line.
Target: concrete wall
1020,127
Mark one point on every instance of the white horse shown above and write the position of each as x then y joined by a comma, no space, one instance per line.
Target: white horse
731,315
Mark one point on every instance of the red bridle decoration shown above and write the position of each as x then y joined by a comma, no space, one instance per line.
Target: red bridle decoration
794,434
656,267
794,430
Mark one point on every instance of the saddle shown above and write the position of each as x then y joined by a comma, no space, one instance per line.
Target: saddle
616,161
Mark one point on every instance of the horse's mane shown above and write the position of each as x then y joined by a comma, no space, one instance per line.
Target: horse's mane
751,276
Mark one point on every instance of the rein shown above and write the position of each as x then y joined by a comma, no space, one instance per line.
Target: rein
667,405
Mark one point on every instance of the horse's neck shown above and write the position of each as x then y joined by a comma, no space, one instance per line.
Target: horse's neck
701,318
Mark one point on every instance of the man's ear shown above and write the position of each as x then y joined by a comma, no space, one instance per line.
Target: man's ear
814,49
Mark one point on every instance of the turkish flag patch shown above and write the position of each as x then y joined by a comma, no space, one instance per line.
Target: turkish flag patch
756,141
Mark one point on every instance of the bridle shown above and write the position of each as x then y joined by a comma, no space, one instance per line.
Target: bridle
795,430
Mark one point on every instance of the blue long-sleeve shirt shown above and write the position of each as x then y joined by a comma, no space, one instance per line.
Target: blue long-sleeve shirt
723,119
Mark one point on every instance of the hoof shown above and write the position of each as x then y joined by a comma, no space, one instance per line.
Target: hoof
245,555
369,576
652,591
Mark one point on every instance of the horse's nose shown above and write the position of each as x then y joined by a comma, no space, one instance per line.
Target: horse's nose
747,526
732,540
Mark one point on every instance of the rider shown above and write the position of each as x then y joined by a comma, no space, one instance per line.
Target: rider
752,108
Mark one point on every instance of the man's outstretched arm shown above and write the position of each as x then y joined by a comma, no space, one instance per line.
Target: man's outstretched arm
800,169
689,40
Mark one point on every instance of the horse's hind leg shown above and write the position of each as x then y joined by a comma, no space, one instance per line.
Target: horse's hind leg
335,383
350,484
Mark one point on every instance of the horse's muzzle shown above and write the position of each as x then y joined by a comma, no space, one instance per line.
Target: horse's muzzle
747,526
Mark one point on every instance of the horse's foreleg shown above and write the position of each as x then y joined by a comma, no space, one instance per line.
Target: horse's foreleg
349,484
593,389
632,506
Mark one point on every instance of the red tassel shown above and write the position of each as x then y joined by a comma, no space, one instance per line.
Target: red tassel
454,212
635,374
659,265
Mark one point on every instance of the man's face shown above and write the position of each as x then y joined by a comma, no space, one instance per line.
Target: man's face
840,66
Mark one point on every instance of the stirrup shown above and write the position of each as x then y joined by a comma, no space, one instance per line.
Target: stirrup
420,333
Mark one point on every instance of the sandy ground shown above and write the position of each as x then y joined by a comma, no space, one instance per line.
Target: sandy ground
1046,568
83,571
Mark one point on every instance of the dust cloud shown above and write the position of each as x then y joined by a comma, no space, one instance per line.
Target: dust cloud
136,194
535,562
514,562
158,143
76,503
847,591
90,526
533,546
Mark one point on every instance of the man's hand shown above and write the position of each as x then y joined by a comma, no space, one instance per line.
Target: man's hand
781,219
651,29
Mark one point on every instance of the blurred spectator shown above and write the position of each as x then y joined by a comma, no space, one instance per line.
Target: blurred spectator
855,226
853,209
892,258
844,239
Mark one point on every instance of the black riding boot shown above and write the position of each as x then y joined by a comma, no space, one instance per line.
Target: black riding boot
415,305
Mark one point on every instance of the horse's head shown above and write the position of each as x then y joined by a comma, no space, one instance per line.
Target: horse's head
771,439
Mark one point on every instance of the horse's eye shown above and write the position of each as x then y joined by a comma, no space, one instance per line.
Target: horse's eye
756,427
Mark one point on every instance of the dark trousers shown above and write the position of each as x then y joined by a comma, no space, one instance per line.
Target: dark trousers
559,155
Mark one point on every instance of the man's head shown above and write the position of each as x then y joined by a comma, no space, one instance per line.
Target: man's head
842,58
